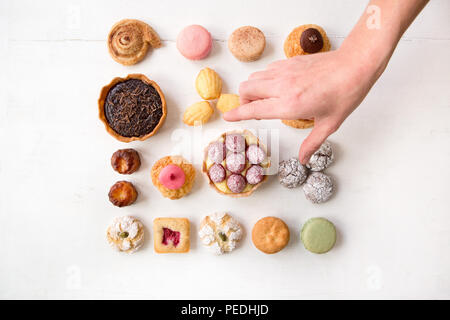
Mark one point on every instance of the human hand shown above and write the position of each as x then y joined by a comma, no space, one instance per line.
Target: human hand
325,87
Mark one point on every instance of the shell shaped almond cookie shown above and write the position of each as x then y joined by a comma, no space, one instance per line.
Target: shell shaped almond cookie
235,184
227,102
220,232
129,40
198,113
208,84
125,234
173,176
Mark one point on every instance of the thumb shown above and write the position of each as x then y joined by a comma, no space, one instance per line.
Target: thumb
313,142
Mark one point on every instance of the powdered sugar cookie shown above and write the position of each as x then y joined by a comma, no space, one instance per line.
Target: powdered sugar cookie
318,187
220,232
125,234
322,158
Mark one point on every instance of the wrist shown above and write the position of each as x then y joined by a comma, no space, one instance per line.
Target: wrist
366,60
370,44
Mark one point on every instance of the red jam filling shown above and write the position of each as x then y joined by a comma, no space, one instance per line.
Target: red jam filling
170,235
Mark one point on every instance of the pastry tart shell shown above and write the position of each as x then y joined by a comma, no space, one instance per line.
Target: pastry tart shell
245,133
102,99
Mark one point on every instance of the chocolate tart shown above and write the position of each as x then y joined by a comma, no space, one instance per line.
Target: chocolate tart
132,108
221,187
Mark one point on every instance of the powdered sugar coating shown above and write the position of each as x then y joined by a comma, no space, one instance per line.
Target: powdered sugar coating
254,174
125,234
318,187
236,183
322,158
217,151
220,232
235,142
291,173
235,162
217,173
255,154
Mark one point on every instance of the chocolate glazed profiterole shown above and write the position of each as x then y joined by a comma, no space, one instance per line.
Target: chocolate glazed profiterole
305,39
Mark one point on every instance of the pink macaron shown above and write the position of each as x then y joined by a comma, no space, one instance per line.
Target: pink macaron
194,42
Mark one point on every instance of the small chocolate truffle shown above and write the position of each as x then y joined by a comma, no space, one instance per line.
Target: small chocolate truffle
255,154
322,158
254,174
318,187
236,183
235,162
292,173
217,151
217,173
235,142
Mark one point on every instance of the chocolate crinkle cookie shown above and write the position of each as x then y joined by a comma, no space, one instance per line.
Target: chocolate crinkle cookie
322,158
292,173
318,187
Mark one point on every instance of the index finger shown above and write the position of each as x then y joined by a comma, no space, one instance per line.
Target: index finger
272,108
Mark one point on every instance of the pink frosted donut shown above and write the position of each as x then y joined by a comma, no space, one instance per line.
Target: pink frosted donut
217,173
236,183
235,162
255,154
254,174
172,177
194,42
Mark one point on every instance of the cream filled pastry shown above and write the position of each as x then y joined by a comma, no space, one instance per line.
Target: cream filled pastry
235,163
173,176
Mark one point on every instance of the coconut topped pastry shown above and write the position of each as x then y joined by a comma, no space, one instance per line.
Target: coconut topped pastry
125,234
235,163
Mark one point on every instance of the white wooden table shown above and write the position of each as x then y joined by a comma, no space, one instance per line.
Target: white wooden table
392,208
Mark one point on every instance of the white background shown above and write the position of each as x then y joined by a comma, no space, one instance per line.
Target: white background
391,209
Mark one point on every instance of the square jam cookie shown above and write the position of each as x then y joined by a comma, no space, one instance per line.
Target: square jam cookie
171,235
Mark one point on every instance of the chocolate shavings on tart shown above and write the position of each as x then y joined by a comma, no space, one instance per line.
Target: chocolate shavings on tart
133,108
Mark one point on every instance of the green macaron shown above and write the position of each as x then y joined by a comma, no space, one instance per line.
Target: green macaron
318,235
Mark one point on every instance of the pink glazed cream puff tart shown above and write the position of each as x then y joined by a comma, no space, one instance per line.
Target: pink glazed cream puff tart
173,176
